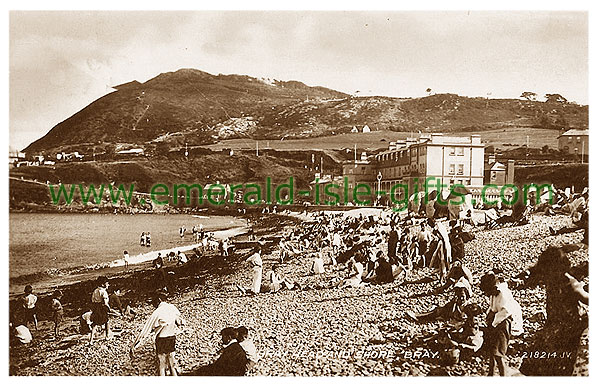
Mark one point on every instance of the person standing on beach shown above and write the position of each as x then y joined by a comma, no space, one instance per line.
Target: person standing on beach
143,239
29,306
126,259
256,263
100,307
163,324
504,319
148,241
392,242
182,232
225,247
57,312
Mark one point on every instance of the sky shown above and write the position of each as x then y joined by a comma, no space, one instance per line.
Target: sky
61,61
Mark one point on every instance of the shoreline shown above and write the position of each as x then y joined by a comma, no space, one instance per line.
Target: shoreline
46,281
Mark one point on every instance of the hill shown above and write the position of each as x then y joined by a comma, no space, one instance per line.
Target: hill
195,107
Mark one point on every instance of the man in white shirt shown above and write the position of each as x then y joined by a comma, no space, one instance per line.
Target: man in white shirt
163,324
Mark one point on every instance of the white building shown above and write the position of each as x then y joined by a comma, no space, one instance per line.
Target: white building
451,160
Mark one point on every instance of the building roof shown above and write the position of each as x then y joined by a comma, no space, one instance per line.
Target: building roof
497,166
576,132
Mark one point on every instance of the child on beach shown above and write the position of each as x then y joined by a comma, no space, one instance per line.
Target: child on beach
504,319
126,259
148,241
29,306
163,324
57,312
143,239
100,307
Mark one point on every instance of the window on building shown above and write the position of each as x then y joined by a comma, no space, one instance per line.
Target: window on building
452,150
461,169
451,169
460,151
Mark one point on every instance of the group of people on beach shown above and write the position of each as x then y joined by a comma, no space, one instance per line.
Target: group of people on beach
377,250
27,313
343,252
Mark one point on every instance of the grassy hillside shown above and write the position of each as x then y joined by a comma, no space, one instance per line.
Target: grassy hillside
194,107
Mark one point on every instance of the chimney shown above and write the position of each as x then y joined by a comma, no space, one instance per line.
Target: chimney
492,159
510,172
475,139
363,156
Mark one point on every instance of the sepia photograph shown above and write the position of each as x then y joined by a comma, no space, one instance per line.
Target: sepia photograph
335,193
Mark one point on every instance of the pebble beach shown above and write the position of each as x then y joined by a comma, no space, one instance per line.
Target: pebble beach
309,332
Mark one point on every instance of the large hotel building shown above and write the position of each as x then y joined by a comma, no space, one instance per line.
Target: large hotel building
452,160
